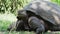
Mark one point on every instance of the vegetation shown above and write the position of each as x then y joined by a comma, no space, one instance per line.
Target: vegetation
11,6
56,1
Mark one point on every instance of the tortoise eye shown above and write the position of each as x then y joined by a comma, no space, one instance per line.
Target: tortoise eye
18,18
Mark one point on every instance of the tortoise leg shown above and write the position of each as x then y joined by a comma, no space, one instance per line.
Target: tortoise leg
40,29
36,24
19,25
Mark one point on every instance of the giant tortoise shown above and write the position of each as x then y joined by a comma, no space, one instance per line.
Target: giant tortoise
43,10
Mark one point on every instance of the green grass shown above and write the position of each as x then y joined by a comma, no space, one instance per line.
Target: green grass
4,24
6,20
56,1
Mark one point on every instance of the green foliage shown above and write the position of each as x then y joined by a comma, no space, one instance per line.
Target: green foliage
56,1
4,25
6,20
7,6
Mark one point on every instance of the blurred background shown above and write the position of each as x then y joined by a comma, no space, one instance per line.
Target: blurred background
8,12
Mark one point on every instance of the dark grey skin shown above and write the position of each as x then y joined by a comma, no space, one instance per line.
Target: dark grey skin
21,26
36,24
23,16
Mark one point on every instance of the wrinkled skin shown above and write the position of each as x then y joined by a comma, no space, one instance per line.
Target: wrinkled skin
21,26
23,16
36,24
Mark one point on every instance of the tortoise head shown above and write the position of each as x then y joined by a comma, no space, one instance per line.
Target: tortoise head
21,14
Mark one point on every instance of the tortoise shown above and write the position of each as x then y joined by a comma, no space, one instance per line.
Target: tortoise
44,10
47,11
